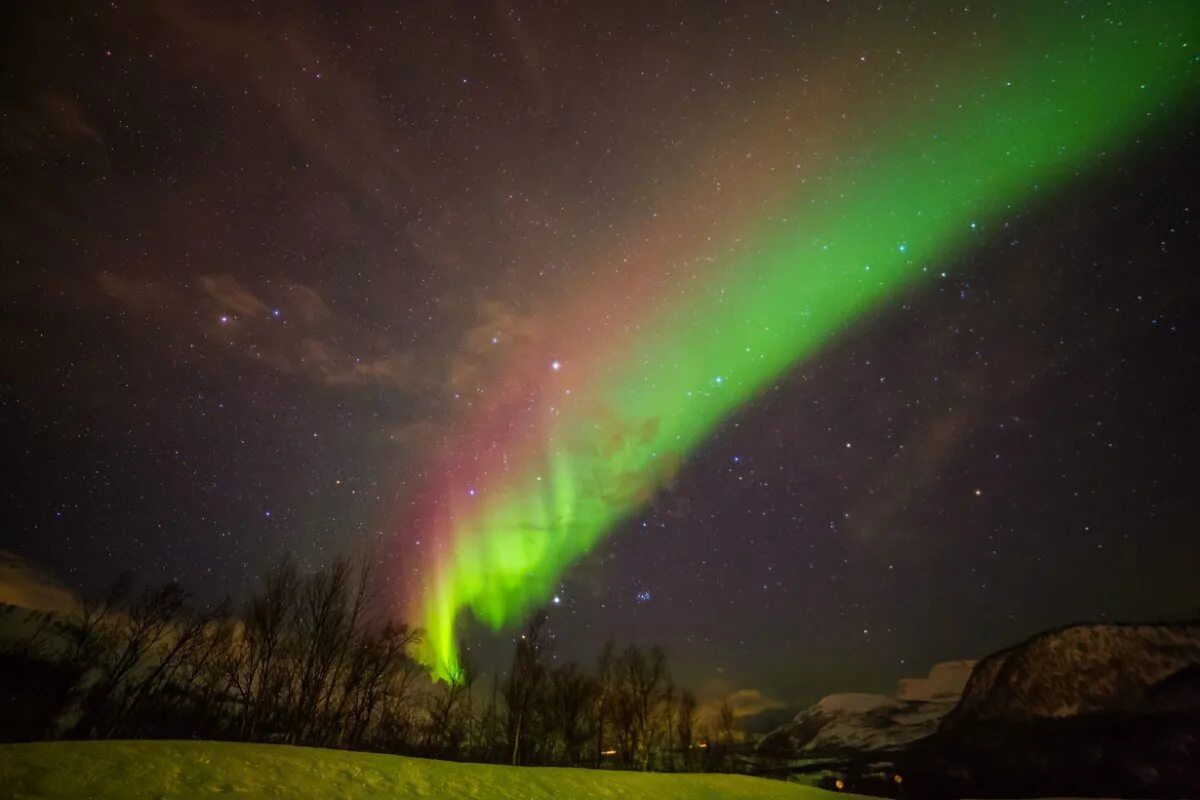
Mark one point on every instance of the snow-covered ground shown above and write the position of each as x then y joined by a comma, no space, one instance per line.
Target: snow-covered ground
130,770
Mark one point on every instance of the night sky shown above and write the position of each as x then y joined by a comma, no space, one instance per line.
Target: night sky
265,264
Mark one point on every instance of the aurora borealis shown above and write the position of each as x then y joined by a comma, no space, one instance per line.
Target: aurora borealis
610,412
816,342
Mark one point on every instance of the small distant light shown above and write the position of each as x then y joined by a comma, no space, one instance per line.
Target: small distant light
839,784
224,319
495,340
275,312
979,492
903,248
556,600
556,365
471,491
737,459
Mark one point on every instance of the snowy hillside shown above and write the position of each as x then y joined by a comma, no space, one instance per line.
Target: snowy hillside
1091,710
1078,670
855,722
131,770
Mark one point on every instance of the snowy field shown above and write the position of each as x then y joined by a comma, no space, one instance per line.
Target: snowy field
100,770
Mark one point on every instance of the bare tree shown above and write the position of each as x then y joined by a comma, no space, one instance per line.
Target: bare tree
137,628
185,640
607,695
523,686
203,676
309,660
449,711
571,695
256,669
87,629
379,666
685,726
490,743
645,690
722,754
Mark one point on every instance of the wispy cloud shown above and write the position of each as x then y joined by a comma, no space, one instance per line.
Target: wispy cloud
744,702
487,351
748,702
298,335
22,585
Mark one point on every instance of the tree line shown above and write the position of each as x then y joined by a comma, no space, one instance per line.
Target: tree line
307,659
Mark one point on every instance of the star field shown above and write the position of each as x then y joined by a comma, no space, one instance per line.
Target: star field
263,261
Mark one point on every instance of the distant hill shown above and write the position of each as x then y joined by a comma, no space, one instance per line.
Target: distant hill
854,723
1083,710
1078,670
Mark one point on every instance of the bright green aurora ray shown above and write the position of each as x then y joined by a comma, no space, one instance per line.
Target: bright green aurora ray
1063,94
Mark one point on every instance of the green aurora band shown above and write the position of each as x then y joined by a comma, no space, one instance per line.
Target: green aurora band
1067,90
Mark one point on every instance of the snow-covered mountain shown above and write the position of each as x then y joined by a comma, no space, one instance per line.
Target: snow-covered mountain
1084,710
1082,669
855,723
